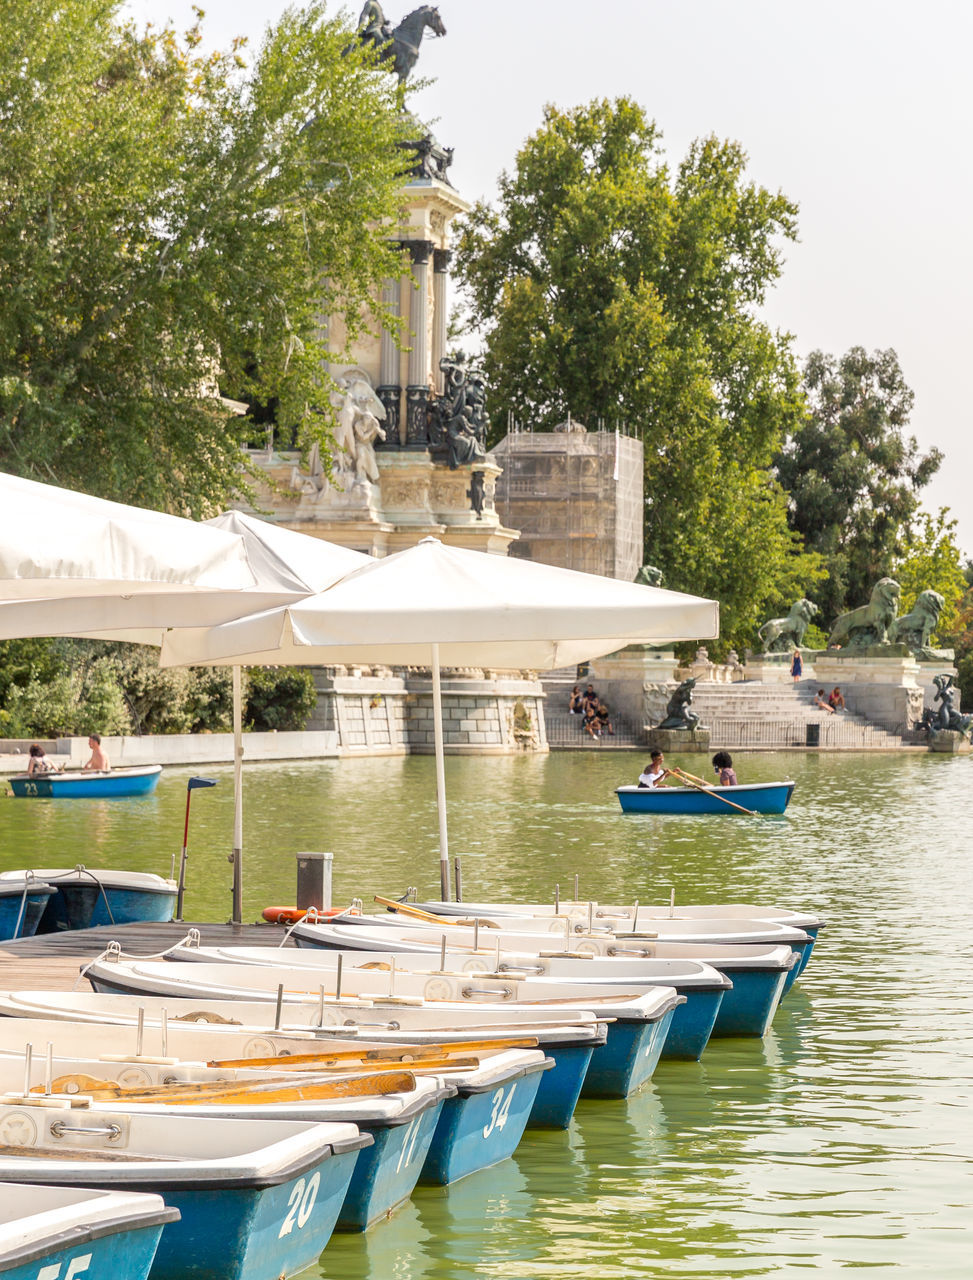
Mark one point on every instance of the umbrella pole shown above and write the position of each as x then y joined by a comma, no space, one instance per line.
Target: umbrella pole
237,856
437,718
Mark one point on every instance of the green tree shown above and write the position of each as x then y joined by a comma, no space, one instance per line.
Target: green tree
853,477
606,286
279,698
172,221
932,561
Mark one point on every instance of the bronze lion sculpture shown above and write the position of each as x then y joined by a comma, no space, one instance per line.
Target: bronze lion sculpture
780,635
915,628
870,623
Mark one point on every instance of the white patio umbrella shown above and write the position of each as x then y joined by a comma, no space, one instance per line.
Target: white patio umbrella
273,565
439,605
56,543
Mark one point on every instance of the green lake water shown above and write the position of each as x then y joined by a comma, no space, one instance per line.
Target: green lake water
843,1140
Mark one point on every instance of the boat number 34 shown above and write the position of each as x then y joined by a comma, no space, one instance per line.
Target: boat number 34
76,1267
299,1204
501,1108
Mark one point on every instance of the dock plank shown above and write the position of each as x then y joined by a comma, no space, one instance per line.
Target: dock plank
52,961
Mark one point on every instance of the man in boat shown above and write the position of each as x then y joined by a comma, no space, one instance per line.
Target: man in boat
99,761
655,772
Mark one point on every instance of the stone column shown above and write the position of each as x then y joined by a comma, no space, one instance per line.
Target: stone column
389,390
440,266
417,392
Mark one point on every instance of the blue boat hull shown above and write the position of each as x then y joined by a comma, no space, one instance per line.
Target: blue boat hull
749,1008
21,914
97,786
560,1088
764,797
387,1171
83,904
254,1234
627,1059
480,1129
126,1255
693,1023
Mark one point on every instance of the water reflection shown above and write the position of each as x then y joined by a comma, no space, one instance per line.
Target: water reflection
841,1140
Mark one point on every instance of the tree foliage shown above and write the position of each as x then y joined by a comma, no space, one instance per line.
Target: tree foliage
172,219
852,474
609,287
933,562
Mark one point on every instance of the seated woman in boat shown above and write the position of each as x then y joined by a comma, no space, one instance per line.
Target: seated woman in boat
38,762
655,773
723,764
99,761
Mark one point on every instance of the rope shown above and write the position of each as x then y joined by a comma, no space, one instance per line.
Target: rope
115,952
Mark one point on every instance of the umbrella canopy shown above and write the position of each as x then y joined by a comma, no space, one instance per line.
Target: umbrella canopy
56,543
445,605
480,609
263,566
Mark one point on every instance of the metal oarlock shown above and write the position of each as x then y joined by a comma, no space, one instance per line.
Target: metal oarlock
557,899
337,977
280,1002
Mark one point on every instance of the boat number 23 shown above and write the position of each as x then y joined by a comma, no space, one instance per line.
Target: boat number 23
76,1267
30,789
300,1204
501,1107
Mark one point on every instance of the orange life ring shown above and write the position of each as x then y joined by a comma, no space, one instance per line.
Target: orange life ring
291,915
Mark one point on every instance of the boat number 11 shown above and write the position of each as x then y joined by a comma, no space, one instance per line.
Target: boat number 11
300,1204
501,1108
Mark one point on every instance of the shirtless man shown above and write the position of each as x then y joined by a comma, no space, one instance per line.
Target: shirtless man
98,761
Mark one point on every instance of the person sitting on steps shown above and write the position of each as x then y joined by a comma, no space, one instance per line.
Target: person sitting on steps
822,703
836,699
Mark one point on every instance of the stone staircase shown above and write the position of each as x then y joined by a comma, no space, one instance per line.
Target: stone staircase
745,716
754,715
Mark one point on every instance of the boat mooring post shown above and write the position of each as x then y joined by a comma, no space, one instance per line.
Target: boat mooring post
459,879
314,880
192,785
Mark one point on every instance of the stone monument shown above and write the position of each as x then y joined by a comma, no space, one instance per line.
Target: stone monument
777,639
680,730
410,457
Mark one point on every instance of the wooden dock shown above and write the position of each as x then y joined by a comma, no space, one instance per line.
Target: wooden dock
52,961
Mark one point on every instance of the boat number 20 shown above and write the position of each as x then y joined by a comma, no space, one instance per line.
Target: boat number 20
501,1107
300,1204
76,1267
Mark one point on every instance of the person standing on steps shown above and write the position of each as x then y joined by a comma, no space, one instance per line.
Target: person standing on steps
797,666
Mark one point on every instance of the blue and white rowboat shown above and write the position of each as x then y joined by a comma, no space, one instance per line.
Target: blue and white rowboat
87,784
58,1233
758,797
87,898
258,1199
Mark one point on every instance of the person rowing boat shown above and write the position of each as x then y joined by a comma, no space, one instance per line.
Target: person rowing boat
655,772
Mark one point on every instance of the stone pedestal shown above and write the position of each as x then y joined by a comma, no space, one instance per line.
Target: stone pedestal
775,668
949,741
621,678
677,740
880,682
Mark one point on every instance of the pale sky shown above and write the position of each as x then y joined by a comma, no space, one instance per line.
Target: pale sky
860,110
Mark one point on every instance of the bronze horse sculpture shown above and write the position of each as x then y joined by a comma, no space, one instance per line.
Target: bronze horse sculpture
398,45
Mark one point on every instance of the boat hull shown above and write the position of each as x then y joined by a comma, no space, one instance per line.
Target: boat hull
64,1233
387,1172
627,1059
22,907
692,1024
748,1009
481,1126
79,785
84,898
761,797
